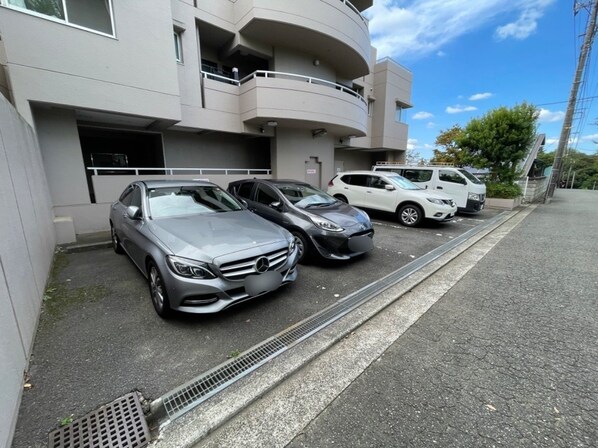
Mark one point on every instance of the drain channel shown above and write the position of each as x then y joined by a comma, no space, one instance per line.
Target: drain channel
189,395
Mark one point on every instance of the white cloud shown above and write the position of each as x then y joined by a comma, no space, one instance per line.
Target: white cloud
526,24
440,54
591,137
431,125
458,109
552,141
416,28
547,116
422,115
480,96
411,143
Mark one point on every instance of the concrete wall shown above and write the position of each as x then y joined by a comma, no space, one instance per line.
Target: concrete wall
294,147
26,250
134,72
534,189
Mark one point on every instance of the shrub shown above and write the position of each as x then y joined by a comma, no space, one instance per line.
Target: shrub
503,190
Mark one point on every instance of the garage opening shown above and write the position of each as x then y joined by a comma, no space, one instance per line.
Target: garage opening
116,152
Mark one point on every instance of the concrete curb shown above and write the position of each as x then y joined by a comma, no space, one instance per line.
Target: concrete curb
190,429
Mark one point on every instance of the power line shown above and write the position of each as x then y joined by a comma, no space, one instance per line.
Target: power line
587,98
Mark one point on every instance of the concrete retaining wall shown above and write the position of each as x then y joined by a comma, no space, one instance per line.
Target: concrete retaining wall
26,251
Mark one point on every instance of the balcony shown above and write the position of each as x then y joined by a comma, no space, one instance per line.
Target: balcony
302,102
331,30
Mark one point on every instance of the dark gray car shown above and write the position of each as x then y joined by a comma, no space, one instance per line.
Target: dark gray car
199,248
320,224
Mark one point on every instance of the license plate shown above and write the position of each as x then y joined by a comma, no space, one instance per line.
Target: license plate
261,283
361,243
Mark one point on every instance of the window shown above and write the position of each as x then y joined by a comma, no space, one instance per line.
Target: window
178,46
376,182
417,175
90,14
266,195
125,197
370,107
136,197
360,180
398,113
244,190
451,176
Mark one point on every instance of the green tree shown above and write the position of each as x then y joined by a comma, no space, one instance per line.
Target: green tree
500,140
451,152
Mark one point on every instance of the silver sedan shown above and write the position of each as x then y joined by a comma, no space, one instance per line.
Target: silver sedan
199,248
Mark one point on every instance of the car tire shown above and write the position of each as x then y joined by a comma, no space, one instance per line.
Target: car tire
157,290
115,241
410,215
341,198
302,245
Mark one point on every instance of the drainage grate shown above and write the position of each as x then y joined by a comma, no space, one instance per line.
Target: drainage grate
117,424
190,395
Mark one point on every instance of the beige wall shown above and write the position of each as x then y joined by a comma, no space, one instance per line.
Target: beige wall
294,147
61,152
89,70
26,250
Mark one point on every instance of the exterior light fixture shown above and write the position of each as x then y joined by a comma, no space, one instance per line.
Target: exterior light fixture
316,62
319,132
272,123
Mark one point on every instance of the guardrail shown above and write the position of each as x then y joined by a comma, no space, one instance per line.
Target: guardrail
172,171
355,10
308,79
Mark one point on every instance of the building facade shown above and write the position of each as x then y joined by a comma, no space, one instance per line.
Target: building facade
209,89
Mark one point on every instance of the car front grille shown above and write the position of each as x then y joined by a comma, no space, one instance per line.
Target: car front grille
239,269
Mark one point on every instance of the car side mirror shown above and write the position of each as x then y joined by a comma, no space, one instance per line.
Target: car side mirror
389,187
276,205
133,212
243,202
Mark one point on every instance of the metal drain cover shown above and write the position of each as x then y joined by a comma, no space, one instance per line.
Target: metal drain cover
117,424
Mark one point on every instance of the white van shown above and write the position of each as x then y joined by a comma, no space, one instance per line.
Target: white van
468,191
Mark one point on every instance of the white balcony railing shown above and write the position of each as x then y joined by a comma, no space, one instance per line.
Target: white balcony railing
271,74
172,171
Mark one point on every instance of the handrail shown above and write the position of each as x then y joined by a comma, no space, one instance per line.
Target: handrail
220,78
309,79
352,7
172,171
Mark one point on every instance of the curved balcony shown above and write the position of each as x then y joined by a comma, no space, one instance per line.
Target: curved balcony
331,30
302,102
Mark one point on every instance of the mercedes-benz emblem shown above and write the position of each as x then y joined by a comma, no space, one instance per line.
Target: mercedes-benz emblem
262,264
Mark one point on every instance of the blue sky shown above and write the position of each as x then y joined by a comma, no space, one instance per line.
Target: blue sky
470,56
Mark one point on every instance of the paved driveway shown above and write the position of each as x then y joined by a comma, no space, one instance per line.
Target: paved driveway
100,338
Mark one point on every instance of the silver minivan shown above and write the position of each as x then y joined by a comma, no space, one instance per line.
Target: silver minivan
468,191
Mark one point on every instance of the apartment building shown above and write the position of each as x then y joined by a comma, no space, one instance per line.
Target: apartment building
210,89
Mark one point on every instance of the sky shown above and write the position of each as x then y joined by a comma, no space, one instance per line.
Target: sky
468,57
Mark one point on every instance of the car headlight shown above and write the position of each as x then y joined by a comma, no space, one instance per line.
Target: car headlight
436,201
189,268
474,196
325,224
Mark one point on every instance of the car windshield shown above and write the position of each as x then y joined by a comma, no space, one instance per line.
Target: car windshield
470,176
305,196
189,200
403,183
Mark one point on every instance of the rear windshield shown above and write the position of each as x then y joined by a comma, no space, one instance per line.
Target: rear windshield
471,177
190,200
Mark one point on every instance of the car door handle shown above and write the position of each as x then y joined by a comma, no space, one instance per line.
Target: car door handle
439,188
369,192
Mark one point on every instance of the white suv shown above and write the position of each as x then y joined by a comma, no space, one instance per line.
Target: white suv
390,192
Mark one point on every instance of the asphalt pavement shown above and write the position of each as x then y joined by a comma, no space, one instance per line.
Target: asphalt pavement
506,355
99,338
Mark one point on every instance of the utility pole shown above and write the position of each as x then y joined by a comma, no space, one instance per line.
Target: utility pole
566,130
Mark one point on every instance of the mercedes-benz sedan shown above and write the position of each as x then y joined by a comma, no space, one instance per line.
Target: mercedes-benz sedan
199,248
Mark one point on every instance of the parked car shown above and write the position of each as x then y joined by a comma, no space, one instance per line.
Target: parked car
390,192
320,224
467,190
199,248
